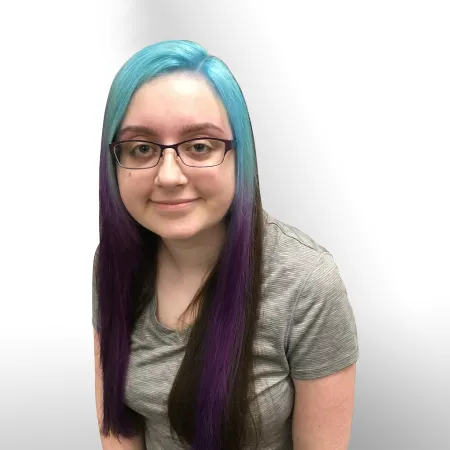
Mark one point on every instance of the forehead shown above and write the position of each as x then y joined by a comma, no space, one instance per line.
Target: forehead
169,102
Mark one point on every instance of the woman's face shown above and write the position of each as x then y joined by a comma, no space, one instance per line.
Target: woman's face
166,105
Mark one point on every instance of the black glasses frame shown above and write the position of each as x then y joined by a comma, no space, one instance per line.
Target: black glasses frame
229,145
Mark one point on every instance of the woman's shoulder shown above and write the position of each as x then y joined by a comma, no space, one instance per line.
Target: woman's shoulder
287,243
289,257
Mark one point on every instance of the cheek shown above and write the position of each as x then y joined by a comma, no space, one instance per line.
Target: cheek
217,187
133,186
221,180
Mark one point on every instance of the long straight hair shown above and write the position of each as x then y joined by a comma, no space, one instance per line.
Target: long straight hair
213,393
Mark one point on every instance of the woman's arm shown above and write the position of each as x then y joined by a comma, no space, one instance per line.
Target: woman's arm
110,443
323,411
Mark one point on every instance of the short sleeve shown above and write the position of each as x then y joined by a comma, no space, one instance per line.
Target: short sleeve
95,292
322,337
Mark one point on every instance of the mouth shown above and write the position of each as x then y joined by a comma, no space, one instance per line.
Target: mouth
175,205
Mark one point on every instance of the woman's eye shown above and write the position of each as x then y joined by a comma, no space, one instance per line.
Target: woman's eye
199,147
143,148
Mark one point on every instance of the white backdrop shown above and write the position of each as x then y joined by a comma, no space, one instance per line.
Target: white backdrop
350,108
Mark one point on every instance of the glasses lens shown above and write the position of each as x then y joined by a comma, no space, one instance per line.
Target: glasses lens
202,152
137,155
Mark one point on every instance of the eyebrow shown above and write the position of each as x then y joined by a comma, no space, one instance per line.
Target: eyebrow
184,130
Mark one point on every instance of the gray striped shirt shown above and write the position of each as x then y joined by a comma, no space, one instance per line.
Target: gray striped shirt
306,330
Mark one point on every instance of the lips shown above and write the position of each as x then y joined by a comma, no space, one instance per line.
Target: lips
175,202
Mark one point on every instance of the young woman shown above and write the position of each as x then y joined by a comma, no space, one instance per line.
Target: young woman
216,326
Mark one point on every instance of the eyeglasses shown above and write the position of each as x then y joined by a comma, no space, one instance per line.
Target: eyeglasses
199,152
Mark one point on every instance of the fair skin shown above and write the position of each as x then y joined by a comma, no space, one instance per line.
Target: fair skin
323,411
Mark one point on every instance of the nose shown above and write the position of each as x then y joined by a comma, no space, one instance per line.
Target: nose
169,170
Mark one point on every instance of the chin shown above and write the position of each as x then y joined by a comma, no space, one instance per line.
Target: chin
176,231
176,235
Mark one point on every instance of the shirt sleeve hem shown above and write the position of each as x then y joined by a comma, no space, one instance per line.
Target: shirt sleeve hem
326,370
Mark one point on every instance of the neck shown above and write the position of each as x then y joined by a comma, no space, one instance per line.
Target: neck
197,255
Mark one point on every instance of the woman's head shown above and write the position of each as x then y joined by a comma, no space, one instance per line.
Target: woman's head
161,112
165,87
